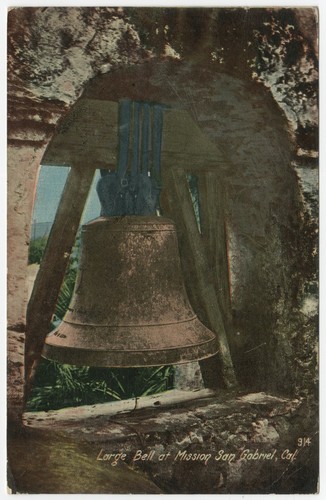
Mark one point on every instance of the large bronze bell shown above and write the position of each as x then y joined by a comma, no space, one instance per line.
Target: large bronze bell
129,306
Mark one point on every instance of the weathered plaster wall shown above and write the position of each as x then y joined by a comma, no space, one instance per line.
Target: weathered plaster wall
21,186
271,231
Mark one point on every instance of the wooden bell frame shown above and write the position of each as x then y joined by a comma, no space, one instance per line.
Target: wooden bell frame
87,139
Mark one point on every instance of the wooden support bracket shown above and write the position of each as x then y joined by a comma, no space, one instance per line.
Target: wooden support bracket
177,204
53,266
213,229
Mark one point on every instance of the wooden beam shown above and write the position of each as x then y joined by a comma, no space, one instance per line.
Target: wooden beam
194,161
89,134
53,266
183,136
177,204
169,399
212,210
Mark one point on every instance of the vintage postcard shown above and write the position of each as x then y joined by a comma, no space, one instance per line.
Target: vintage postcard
163,250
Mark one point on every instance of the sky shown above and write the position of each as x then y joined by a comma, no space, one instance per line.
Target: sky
50,185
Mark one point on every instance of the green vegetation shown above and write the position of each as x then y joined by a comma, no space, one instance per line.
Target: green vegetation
194,193
36,250
59,386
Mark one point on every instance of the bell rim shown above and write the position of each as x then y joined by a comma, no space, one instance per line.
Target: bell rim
185,334
135,359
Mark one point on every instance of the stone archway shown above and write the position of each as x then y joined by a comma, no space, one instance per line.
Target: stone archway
256,175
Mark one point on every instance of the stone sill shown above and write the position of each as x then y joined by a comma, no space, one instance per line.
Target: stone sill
159,413
68,446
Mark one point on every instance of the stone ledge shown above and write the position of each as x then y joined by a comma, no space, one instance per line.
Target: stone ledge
162,412
175,442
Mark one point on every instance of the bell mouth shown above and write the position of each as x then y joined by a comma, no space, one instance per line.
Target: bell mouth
136,346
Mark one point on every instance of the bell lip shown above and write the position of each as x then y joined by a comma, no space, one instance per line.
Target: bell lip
114,338
132,223
130,359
